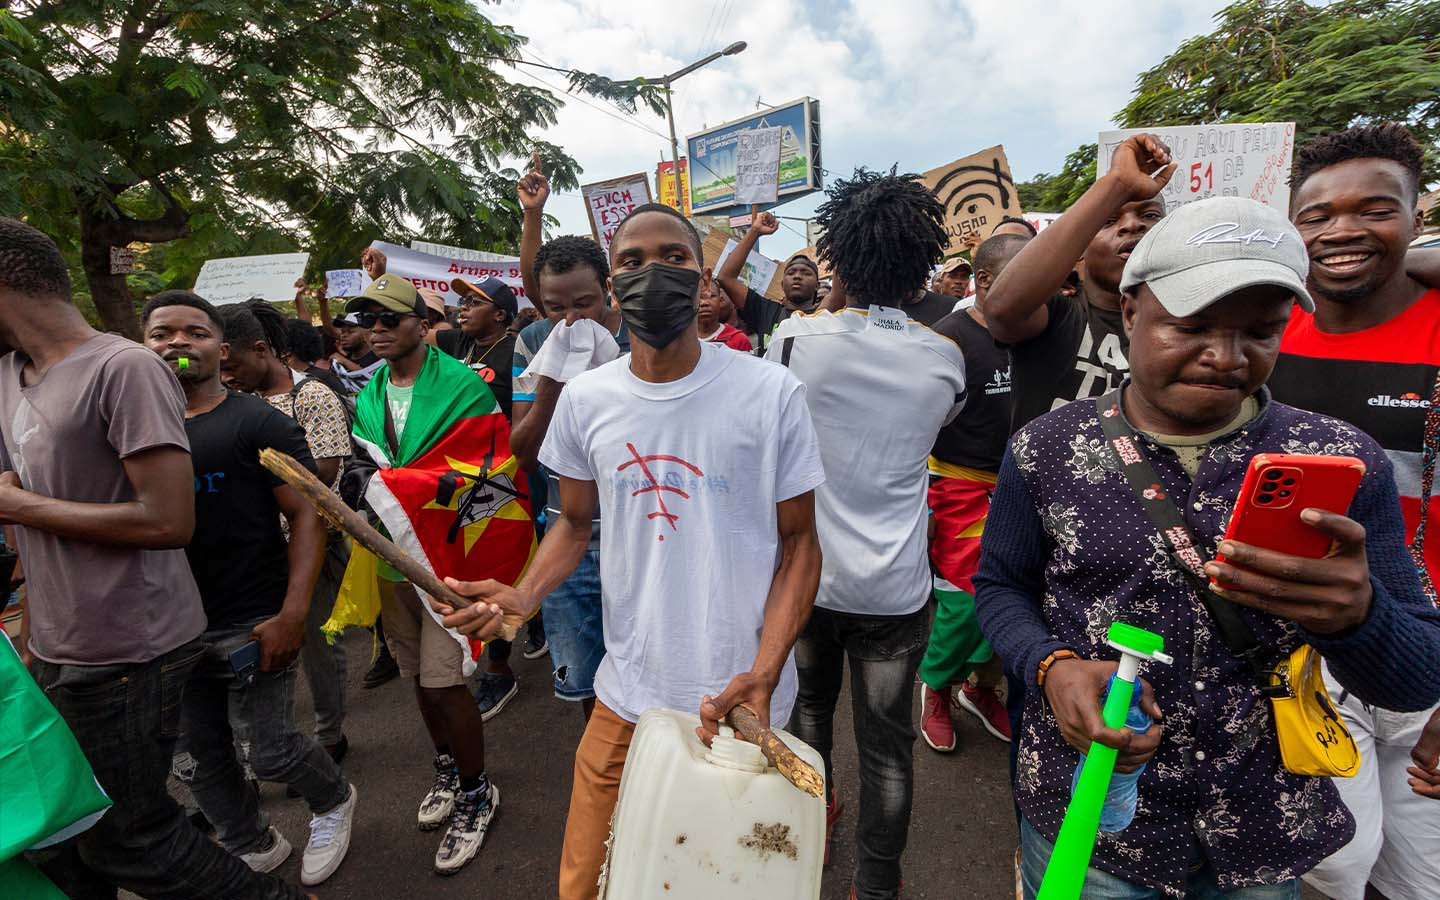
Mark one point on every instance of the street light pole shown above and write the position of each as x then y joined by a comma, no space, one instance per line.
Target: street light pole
666,81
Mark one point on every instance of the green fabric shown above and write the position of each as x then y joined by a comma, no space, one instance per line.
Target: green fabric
48,785
444,393
956,645
21,881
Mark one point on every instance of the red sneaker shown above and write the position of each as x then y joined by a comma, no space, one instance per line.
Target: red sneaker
985,704
935,724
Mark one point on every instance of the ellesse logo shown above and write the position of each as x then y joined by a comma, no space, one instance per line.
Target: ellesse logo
1410,400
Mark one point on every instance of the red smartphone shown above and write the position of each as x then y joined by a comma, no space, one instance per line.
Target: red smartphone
1278,486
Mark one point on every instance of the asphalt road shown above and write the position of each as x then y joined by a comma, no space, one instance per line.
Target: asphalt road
962,837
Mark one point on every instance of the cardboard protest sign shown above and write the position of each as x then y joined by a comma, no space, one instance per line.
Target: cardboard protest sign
760,273
1248,160
665,184
345,282
425,270
977,192
236,279
609,202
757,166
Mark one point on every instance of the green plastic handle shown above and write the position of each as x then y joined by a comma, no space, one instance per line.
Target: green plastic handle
1065,874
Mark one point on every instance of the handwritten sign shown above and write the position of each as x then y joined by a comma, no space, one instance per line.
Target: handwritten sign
977,192
665,182
425,270
122,260
236,279
760,272
345,282
1248,160
609,202
757,166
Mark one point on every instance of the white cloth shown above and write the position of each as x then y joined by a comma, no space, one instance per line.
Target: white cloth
568,351
880,386
1397,832
689,473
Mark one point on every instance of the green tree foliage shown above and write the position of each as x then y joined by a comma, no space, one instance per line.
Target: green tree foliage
1323,67
248,126
1055,193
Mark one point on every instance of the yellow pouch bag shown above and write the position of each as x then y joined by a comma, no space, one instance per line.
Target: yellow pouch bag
1313,740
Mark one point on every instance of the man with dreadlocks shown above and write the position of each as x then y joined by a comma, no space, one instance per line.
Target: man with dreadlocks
257,336
883,233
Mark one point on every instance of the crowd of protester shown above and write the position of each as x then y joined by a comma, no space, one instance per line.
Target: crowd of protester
908,468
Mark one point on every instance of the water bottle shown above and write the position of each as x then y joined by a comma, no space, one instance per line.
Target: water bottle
1120,800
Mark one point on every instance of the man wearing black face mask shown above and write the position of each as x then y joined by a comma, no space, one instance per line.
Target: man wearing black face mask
707,462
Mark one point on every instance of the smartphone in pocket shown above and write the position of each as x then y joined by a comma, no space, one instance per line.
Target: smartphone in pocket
1277,487
245,661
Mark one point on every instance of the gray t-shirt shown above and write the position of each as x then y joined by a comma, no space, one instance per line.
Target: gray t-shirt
65,436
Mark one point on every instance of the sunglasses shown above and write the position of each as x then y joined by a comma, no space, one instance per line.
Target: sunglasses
388,319
470,301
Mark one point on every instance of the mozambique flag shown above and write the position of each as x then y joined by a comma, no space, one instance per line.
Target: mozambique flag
450,493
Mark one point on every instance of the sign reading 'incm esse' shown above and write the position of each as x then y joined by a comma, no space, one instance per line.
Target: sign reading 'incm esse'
609,202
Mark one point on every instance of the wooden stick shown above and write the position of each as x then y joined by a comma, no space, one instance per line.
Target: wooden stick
796,770
334,510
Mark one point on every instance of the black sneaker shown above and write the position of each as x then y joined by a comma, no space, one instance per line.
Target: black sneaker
492,692
536,646
474,811
385,669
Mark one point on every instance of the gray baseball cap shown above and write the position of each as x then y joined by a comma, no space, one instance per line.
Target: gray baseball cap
1204,251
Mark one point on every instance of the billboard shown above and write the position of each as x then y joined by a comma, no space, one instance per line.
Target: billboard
712,154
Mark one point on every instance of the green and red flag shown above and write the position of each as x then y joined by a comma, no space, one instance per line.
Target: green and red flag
451,493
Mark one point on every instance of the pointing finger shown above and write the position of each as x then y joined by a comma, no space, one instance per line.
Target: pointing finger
535,163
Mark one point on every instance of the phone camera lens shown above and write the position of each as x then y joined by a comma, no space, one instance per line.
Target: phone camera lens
1265,498
1288,482
1284,493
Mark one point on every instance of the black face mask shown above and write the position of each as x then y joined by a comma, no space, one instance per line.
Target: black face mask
657,302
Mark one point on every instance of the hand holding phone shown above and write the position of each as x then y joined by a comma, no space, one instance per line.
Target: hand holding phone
1289,549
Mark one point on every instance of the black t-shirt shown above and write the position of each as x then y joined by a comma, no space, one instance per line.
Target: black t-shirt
238,551
930,309
977,437
1081,353
763,315
492,362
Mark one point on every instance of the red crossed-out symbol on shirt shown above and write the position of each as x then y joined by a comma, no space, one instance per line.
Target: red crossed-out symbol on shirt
655,487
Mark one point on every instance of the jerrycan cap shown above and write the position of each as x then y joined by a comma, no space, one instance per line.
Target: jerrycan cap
729,752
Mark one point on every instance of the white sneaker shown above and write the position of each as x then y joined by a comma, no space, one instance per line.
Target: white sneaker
438,803
462,840
329,841
271,859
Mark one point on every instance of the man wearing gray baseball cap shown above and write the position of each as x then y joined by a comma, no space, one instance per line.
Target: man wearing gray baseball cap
1071,546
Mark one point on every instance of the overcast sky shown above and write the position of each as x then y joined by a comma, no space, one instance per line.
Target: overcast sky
914,82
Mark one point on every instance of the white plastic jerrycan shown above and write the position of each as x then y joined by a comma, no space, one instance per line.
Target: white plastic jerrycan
694,823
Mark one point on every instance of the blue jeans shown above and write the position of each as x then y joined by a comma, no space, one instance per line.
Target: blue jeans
324,662
1035,856
218,710
575,629
125,718
884,654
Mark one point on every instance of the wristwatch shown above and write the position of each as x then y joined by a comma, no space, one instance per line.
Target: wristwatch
1049,661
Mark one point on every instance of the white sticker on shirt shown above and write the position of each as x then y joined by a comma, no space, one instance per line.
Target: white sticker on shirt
888,318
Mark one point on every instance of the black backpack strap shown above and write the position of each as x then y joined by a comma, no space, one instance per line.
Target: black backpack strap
1165,515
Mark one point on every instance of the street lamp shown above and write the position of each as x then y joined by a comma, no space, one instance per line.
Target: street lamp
666,80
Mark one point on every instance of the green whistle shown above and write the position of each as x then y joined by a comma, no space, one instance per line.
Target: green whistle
183,362
1065,875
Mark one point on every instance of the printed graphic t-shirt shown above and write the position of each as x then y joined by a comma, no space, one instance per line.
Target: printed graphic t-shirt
977,437
238,553
689,473
871,513
1080,354
1380,380
67,436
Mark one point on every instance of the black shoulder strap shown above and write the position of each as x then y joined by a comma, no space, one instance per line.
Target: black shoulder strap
1165,515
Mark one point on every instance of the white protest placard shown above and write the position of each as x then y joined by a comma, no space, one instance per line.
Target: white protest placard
757,166
758,270
1040,220
437,273
236,279
1247,160
609,202
345,282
